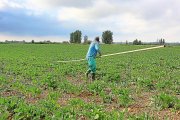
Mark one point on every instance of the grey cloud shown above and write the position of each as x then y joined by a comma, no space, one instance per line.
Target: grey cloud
17,22
155,10
70,3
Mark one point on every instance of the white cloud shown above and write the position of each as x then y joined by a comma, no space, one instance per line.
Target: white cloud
11,4
99,10
2,4
49,5
104,15
147,19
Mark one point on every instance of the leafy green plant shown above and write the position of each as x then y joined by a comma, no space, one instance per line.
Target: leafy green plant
96,87
112,78
53,95
124,97
3,112
12,103
25,111
107,98
164,100
146,84
94,112
68,87
51,81
34,90
144,116
164,84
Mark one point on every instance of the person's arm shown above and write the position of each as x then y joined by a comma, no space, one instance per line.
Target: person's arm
99,52
98,49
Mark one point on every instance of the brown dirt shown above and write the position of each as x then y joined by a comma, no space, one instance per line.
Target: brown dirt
81,79
10,116
28,97
10,93
33,99
85,96
142,105
167,113
65,98
81,117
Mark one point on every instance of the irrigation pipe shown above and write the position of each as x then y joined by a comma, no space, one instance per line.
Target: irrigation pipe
119,53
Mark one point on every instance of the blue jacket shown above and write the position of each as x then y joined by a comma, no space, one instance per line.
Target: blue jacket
93,50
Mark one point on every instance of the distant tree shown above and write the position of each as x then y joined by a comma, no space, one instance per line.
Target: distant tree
71,37
88,41
75,37
85,38
161,41
137,42
107,37
48,41
126,42
65,42
32,41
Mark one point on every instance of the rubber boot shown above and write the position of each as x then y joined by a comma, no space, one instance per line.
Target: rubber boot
93,76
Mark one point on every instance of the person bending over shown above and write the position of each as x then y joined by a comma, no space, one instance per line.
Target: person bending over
91,55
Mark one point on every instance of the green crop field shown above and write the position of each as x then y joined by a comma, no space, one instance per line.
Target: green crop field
142,85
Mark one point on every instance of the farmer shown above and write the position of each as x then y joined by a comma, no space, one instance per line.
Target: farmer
91,55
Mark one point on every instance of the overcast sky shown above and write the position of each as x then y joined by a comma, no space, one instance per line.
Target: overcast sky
54,20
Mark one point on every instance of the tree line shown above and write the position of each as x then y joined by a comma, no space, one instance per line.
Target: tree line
76,37
107,38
